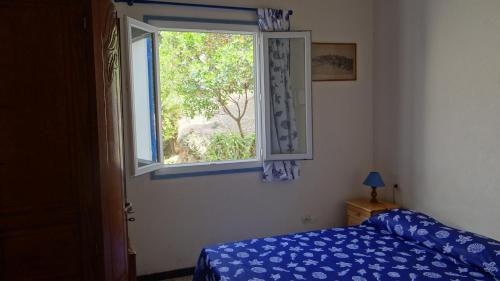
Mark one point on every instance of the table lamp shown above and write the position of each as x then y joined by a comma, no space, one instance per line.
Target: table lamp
374,180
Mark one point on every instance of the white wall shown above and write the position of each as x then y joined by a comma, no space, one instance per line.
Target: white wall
176,218
437,107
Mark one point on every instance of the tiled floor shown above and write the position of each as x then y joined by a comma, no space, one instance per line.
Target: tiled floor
185,278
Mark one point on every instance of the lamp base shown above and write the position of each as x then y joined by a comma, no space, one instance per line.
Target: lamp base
374,195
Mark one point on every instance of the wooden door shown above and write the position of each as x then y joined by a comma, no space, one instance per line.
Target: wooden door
61,180
107,91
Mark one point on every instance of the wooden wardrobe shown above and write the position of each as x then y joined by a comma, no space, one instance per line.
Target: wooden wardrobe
61,164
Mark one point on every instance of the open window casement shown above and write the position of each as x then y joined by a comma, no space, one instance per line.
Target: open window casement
281,69
286,99
142,99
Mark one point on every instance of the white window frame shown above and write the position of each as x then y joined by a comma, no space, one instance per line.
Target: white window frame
261,74
187,168
267,153
128,99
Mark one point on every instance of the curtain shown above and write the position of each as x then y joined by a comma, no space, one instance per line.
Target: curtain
284,137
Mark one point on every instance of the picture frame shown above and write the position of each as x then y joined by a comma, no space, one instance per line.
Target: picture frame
334,61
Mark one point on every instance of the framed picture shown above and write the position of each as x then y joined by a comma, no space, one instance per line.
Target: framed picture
333,61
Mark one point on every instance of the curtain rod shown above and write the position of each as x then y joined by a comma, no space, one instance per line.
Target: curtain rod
132,2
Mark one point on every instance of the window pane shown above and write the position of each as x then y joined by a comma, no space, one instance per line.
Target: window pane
207,94
297,86
144,97
287,78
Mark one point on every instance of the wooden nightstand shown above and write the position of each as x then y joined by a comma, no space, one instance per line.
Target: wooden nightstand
359,210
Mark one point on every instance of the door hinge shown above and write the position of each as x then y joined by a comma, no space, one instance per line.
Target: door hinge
84,23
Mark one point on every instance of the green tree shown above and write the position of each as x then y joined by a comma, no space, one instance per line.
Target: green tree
171,104
231,147
202,73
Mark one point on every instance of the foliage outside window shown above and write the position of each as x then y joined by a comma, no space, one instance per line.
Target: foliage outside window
207,96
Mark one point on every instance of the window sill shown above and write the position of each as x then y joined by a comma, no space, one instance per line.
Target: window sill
206,169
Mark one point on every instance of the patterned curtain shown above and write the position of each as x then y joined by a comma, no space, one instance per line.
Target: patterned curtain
284,137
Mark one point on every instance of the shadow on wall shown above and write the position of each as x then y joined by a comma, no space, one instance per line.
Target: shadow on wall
399,76
436,107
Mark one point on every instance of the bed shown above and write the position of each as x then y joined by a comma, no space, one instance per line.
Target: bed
395,245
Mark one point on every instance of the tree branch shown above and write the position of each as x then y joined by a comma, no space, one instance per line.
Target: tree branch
246,103
225,108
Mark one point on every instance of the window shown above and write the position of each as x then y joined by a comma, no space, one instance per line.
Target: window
201,100
208,96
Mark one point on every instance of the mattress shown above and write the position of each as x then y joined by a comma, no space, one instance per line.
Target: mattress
396,245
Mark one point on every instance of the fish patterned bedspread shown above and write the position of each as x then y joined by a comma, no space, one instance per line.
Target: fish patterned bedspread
396,245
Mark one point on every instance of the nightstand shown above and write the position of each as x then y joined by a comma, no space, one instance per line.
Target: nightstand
359,210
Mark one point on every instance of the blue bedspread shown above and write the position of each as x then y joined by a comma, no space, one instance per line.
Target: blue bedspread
396,245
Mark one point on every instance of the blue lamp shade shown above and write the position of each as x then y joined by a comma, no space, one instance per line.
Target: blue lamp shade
374,180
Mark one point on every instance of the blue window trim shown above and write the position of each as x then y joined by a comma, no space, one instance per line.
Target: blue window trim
152,102
147,18
155,176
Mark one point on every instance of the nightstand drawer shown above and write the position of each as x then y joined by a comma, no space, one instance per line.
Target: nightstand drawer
357,213
353,221
359,210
